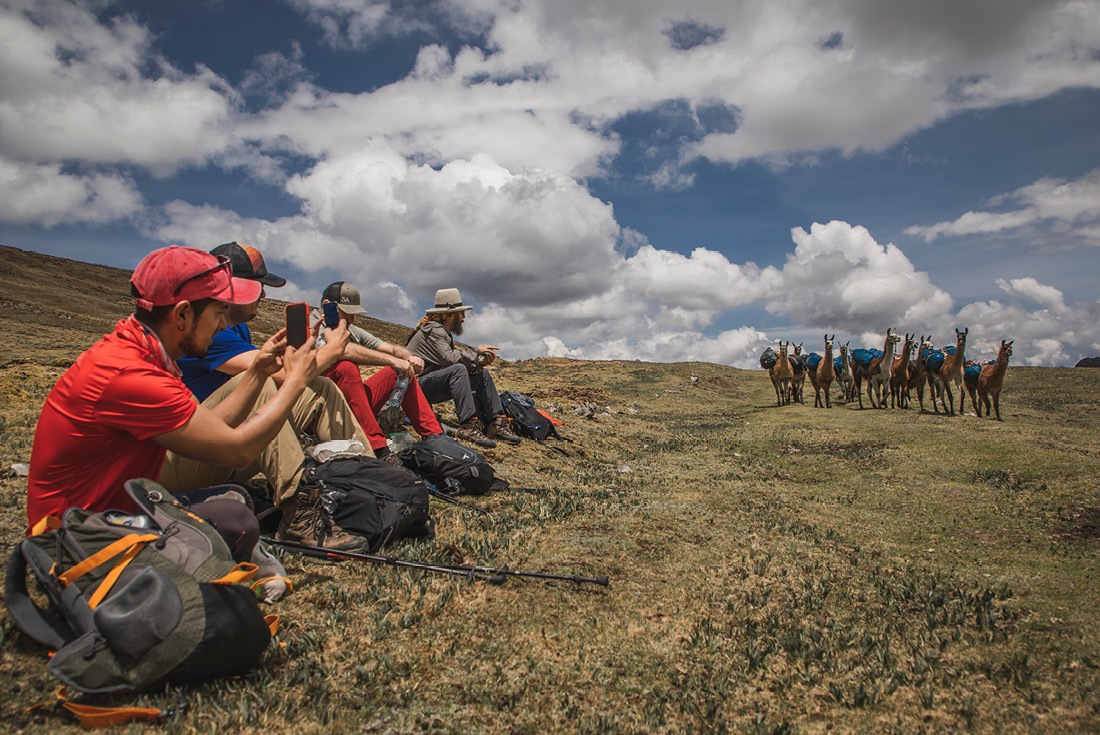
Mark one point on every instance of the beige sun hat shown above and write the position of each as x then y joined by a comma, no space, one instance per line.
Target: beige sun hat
448,301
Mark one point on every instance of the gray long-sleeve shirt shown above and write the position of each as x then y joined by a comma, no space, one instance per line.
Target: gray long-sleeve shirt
436,347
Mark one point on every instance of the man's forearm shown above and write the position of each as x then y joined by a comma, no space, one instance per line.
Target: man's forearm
365,356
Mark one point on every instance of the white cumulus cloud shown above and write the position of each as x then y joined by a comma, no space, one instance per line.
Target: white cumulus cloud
1071,208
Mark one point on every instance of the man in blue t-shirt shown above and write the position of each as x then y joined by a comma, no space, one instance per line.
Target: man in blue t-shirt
321,409
201,374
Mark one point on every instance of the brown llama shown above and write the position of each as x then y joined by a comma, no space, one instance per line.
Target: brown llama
951,371
990,382
877,372
917,374
782,374
844,375
899,375
822,378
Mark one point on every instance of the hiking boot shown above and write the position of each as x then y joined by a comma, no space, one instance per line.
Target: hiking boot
500,429
471,431
392,460
309,524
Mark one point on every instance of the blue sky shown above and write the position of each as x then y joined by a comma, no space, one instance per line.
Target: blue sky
618,179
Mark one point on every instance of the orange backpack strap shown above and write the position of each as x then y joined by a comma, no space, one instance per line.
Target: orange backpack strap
128,546
243,572
47,523
106,716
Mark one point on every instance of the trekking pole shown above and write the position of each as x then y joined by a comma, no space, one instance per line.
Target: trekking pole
601,580
436,492
323,553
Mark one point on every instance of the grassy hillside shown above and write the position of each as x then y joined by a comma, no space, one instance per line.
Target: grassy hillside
772,569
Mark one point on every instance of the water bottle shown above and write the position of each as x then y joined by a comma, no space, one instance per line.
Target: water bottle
398,392
400,440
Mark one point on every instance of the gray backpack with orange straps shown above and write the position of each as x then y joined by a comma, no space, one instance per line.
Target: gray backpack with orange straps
144,598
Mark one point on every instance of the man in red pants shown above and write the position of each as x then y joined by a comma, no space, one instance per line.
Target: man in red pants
367,397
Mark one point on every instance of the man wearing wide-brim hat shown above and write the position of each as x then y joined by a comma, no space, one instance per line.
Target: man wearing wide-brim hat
459,373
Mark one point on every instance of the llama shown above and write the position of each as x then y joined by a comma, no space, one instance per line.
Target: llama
917,374
951,371
899,375
877,371
990,381
843,373
822,378
782,375
798,367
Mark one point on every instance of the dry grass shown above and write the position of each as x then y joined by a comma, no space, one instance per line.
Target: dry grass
772,570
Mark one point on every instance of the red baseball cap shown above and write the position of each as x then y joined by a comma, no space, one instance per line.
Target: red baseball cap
174,274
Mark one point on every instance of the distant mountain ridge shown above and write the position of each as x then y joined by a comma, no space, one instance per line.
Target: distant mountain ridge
52,309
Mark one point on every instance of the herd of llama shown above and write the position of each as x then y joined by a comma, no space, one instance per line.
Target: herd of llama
891,370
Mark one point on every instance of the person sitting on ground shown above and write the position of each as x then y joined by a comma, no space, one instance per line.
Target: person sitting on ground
367,397
459,373
114,415
319,409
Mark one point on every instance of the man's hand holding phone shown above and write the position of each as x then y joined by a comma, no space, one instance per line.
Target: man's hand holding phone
269,358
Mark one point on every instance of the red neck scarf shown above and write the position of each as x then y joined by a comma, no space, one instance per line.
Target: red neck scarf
134,330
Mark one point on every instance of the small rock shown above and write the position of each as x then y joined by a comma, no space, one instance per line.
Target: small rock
694,380
20,469
635,405
631,410
587,410
624,470
554,408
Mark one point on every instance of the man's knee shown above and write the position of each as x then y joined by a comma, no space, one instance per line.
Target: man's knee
343,371
458,377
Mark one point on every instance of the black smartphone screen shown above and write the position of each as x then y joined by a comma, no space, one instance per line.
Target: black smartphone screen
332,314
297,324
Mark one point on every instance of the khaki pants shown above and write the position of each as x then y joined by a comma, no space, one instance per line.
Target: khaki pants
321,411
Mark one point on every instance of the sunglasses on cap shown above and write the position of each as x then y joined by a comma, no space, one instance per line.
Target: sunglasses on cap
223,264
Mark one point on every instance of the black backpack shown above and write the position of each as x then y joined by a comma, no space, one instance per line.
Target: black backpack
450,466
145,599
526,421
369,498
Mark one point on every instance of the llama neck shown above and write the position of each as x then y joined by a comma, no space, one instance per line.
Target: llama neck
888,351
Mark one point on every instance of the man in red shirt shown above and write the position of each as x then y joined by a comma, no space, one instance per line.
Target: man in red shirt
121,407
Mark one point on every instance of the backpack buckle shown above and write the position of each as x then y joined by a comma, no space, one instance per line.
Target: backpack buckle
182,705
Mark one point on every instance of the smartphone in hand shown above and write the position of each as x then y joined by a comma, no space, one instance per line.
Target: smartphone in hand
297,324
332,314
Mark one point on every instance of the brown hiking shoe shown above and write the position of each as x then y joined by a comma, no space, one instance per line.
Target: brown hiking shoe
393,460
470,431
306,522
500,429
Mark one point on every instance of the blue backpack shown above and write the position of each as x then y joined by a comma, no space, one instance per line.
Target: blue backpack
813,360
864,357
971,373
933,361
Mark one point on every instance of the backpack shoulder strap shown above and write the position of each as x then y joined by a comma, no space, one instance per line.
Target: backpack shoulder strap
31,619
